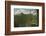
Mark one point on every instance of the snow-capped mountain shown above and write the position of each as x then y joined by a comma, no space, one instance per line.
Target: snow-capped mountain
25,11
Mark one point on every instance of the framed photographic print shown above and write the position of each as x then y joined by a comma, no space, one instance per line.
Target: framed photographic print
24,17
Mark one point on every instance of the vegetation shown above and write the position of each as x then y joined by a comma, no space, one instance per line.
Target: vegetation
25,20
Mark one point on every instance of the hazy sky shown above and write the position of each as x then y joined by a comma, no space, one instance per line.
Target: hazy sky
24,11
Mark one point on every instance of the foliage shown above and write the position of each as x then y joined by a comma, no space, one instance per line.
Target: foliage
25,20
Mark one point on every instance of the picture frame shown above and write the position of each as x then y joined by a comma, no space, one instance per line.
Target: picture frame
10,5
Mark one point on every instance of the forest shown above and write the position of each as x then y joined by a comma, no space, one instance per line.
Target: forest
26,20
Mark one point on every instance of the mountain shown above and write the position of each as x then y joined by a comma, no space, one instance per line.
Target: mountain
25,11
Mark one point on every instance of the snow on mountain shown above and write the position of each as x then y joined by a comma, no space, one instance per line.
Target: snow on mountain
25,11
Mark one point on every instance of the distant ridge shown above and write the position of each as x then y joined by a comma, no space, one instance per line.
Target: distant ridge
25,11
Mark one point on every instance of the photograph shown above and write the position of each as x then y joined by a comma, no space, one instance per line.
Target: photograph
24,17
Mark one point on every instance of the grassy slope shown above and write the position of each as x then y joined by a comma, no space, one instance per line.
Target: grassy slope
23,20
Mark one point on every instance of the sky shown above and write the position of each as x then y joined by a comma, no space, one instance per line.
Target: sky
24,11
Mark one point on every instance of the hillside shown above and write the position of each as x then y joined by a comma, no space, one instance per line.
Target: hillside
25,20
